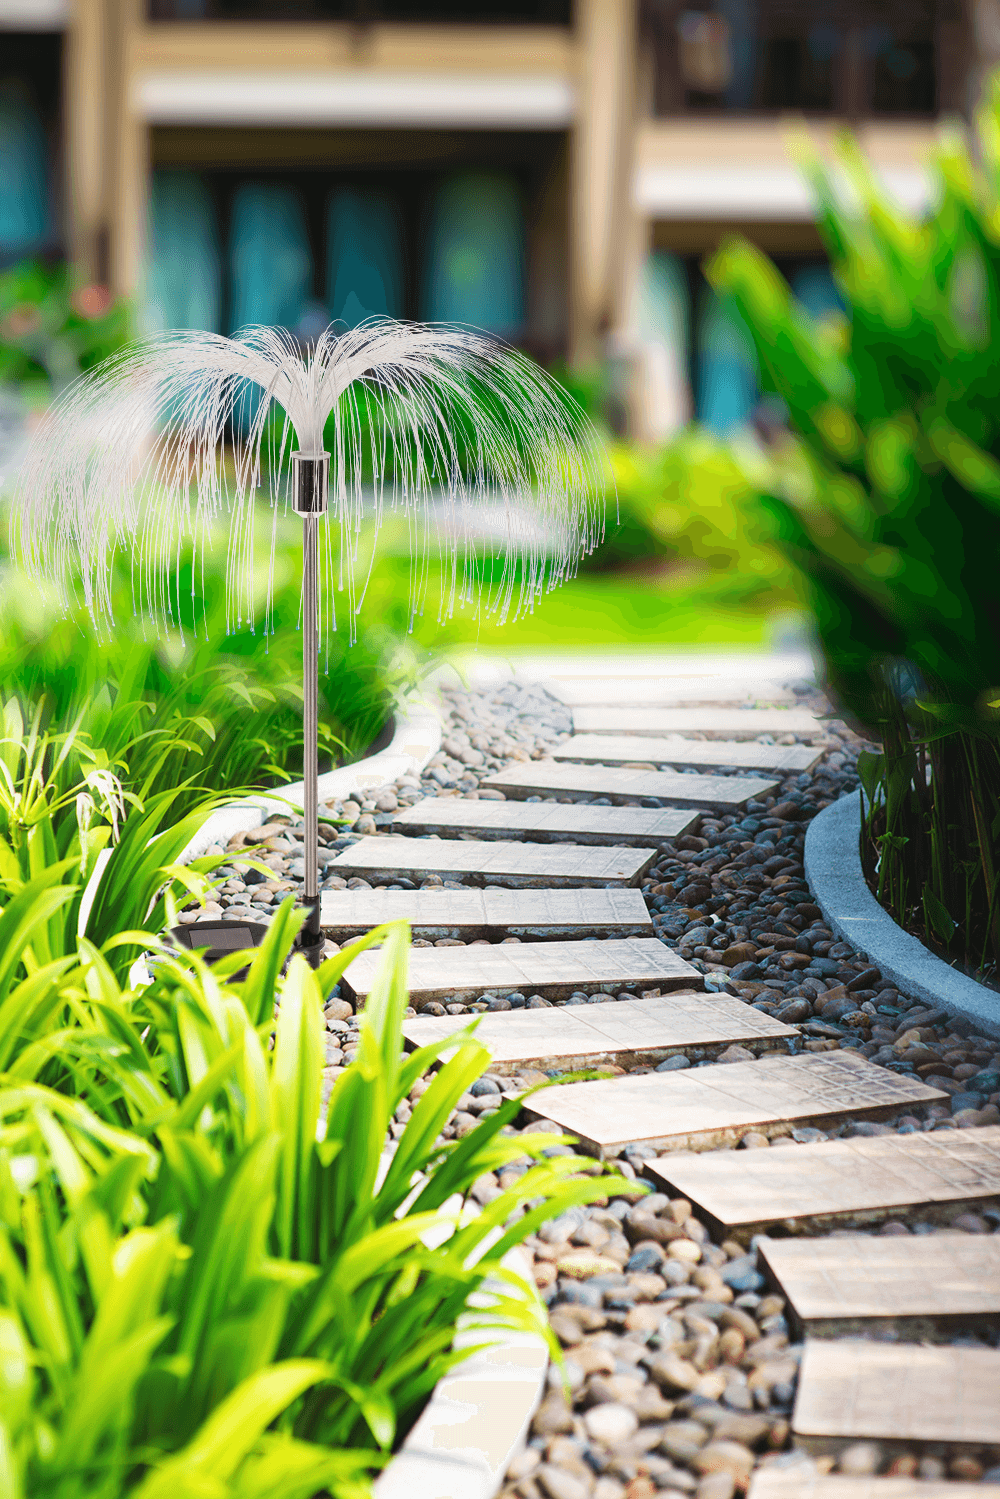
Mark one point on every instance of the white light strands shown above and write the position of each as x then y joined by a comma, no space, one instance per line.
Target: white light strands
145,453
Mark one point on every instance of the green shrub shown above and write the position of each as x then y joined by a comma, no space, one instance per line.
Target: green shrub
888,501
690,505
51,331
220,709
203,1288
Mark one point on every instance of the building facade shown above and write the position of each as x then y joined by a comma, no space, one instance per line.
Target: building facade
554,170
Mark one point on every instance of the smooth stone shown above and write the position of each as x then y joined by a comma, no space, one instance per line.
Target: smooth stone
610,1423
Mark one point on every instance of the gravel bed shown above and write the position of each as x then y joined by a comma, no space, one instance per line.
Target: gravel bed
680,1366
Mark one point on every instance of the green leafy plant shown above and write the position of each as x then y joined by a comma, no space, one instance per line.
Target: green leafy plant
68,826
206,1287
887,500
203,707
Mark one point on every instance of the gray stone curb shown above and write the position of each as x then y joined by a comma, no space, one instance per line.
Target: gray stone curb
416,739
476,1421
833,869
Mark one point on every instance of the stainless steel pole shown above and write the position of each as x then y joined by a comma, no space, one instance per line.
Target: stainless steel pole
310,490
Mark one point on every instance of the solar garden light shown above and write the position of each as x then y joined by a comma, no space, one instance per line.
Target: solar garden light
143,453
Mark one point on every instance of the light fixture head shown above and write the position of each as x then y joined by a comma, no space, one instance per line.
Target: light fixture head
310,483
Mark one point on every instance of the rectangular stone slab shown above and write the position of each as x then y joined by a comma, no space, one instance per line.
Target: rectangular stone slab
803,1482
552,969
838,1183
549,778
611,749
645,691
545,822
646,1030
512,864
852,1390
716,1105
911,1283
491,913
739,723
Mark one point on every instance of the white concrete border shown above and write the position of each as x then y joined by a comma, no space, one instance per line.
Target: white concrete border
415,741
833,869
476,1421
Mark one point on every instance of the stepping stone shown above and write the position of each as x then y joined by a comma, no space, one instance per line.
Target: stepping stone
548,823
711,1106
907,1283
738,722
517,865
549,778
852,1390
803,1482
643,691
839,1183
552,969
492,913
637,1030
611,749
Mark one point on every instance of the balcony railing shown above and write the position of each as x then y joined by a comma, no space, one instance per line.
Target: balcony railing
848,59
363,12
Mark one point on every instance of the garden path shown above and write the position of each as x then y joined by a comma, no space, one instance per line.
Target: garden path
700,1351
835,1289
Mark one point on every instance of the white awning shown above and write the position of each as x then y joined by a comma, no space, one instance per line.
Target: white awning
749,192
34,15
355,98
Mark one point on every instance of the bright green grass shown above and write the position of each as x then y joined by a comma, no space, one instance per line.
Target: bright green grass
637,609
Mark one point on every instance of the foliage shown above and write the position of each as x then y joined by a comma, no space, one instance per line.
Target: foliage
887,500
52,330
691,504
204,1288
222,710
105,856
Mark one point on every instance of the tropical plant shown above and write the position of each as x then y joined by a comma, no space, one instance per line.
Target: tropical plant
888,501
105,856
205,1287
52,329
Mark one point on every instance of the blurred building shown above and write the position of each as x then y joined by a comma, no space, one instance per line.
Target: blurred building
554,170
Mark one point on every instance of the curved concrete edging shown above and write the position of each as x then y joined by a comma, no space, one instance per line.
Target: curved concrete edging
833,869
476,1420
416,739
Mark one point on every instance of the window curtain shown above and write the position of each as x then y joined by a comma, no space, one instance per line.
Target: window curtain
270,259
24,173
184,288
474,270
727,369
364,257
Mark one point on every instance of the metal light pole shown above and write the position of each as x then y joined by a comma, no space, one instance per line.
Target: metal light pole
310,492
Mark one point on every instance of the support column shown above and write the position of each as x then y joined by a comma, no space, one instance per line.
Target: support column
128,152
600,169
983,50
85,135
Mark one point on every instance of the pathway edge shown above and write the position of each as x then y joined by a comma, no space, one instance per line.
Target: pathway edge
833,869
416,740
476,1421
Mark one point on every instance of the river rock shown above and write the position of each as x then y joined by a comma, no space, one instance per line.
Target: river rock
610,1423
